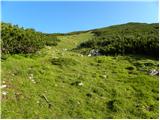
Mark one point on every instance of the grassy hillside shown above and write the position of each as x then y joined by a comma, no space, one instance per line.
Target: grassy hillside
57,82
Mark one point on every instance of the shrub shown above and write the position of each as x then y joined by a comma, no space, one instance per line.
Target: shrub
125,39
19,40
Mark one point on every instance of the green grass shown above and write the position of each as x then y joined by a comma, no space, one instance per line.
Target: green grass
112,86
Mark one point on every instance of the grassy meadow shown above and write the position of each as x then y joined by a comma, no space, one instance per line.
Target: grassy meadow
56,82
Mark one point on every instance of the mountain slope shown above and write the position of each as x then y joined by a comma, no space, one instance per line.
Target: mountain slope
57,82
130,38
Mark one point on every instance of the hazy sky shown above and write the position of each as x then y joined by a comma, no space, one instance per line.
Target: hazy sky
74,16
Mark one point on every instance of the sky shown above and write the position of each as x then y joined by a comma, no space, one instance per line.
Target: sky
68,16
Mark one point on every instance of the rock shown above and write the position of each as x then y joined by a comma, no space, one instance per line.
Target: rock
77,83
89,55
94,53
104,76
33,81
3,82
30,77
3,86
65,49
81,55
153,72
4,93
38,102
80,84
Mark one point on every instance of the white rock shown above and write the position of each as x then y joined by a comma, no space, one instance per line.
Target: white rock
3,86
104,76
89,55
4,93
33,81
80,84
3,82
153,72
65,49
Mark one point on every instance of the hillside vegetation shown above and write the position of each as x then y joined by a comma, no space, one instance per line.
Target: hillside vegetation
57,82
131,38
17,40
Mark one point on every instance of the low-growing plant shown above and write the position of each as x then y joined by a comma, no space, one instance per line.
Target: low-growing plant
15,40
125,39
63,61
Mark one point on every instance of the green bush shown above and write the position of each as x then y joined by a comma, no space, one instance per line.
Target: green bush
16,40
126,39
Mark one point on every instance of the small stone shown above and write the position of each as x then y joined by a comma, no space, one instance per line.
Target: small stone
3,86
4,93
33,81
81,55
104,76
65,49
153,72
89,55
94,52
3,82
80,84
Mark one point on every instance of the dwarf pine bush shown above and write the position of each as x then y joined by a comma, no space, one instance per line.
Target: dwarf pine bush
131,38
16,40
